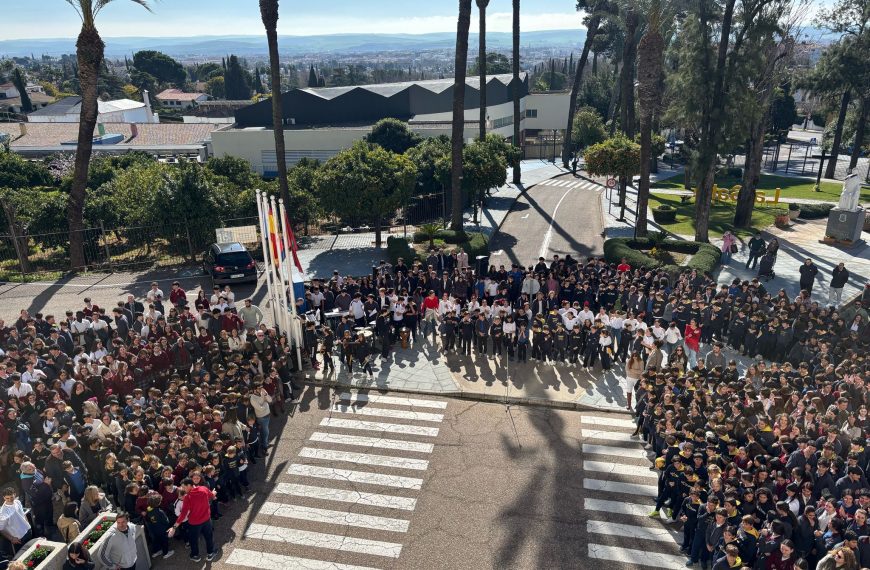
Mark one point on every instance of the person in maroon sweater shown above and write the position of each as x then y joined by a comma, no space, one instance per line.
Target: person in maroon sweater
196,511
177,296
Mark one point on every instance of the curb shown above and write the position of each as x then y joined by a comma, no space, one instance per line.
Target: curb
477,397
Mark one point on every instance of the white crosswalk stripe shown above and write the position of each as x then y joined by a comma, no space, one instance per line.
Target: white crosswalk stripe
659,533
343,496
617,507
324,540
378,442
333,517
327,508
269,561
620,487
619,469
611,421
388,413
632,556
607,435
625,452
379,427
364,458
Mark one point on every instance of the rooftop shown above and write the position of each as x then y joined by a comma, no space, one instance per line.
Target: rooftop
39,135
179,95
390,89
72,106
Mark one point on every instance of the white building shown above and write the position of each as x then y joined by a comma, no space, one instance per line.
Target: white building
68,110
178,99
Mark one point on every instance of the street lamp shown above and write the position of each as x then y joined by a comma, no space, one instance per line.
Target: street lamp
555,132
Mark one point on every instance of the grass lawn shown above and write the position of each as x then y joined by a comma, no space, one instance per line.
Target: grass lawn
791,187
721,217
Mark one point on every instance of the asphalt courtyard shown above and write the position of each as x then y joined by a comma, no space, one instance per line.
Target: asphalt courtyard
363,479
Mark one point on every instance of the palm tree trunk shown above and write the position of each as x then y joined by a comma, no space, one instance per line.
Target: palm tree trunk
567,145
516,84
89,53
269,14
831,168
629,54
458,130
643,185
860,131
481,56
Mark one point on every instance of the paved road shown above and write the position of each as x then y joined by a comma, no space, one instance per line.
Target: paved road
557,216
368,480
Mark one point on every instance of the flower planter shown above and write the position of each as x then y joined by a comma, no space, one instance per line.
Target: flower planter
781,220
53,561
793,214
665,215
143,558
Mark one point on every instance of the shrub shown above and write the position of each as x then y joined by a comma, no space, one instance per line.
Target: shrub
664,214
452,236
399,247
734,172
815,211
705,257
793,207
477,244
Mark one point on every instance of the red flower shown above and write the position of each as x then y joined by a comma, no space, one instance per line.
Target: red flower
37,546
30,563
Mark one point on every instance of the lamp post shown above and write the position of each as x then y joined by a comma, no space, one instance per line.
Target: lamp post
555,132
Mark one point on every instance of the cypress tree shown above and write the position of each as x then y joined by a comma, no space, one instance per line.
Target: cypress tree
312,77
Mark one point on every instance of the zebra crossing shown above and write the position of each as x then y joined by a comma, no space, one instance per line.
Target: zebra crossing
571,183
621,492
348,496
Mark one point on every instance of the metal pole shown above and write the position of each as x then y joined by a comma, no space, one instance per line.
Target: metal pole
806,155
264,225
295,328
821,166
280,274
788,159
105,243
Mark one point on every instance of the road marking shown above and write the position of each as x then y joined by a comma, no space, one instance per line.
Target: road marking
364,458
620,487
378,426
343,496
395,400
640,557
617,507
378,442
363,477
608,421
388,413
660,534
327,516
617,436
632,453
545,246
324,540
618,469
269,561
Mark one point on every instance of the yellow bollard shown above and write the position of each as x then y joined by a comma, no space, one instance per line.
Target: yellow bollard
776,196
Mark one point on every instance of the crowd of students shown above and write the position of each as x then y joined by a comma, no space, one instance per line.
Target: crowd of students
142,409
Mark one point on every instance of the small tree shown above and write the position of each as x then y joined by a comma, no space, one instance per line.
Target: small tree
365,181
20,83
617,156
588,129
393,135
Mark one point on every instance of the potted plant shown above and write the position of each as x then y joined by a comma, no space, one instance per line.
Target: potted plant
794,210
665,214
781,218
44,555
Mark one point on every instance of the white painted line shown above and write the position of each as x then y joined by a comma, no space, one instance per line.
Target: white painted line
388,413
395,400
575,184
624,452
619,487
659,534
324,540
617,436
524,217
378,426
343,496
363,477
639,557
364,458
269,561
618,469
545,246
617,507
608,421
333,517
379,442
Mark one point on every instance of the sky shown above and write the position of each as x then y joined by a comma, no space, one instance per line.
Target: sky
56,18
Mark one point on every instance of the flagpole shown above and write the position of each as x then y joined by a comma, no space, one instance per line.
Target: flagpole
296,326
281,273
264,230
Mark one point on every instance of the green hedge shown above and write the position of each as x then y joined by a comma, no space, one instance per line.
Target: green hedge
815,211
399,247
705,257
447,236
477,244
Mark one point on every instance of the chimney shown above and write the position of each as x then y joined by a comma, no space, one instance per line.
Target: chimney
134,131
23,128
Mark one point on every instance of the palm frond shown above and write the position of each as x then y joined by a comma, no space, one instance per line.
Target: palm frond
100,4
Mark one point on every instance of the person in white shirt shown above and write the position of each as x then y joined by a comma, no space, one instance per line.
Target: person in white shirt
19,389
658,331
231,297
153,293
461,260
32,375
358,310
79,328
673,337
13,521
585,314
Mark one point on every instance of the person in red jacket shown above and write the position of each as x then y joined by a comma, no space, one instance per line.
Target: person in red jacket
692,340
177,296
196,510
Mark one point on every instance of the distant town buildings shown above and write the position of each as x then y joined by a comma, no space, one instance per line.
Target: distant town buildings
178,99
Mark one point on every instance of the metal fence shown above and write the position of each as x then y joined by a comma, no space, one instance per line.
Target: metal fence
46,256
803,159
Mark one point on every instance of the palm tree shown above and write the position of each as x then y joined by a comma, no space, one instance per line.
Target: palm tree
650,63
89,53
269,15
481,57
516,82
458,131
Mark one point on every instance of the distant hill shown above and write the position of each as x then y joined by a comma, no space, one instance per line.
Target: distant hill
217,46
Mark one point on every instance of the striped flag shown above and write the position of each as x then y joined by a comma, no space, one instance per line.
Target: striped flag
275,239
291,239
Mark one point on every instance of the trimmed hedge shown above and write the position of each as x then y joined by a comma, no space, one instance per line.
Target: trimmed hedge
399,247
815,211
705,257
445,235
477,244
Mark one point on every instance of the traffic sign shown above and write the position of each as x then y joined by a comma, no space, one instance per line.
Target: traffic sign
611,182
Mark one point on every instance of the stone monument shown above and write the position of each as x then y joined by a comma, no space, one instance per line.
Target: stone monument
846,221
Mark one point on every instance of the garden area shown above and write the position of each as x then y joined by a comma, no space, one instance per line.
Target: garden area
721,216
429,236
659,251
792,187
